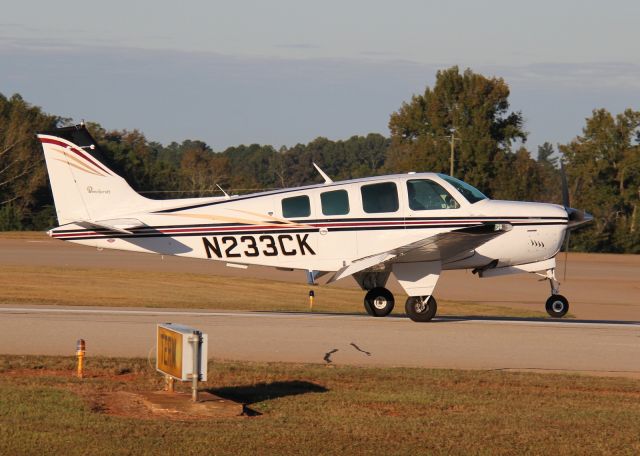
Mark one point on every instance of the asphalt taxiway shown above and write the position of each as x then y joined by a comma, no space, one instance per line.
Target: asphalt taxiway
590,347
602,288
598,286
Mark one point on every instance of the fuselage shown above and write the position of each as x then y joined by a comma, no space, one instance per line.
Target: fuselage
324,227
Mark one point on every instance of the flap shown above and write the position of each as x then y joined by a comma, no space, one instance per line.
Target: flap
438,247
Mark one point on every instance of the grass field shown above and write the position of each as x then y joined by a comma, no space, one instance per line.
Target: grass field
120,288
309,409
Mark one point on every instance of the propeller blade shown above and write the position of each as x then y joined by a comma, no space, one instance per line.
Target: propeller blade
566,255
577,217
565,187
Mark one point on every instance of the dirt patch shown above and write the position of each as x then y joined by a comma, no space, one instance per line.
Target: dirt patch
163,406
143,405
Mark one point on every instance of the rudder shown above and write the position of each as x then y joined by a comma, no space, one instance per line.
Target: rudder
84,188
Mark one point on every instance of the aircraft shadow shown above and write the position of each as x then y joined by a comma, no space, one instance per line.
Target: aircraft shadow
454,318
251,394
162,244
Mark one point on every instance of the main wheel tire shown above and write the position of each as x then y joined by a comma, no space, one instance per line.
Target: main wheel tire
367,307
379,302
419,309
557,306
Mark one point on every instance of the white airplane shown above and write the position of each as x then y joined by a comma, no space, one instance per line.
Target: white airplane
413,225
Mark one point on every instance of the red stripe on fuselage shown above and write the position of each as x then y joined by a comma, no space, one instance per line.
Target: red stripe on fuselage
268,228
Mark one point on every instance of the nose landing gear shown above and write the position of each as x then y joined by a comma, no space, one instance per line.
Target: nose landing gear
557,305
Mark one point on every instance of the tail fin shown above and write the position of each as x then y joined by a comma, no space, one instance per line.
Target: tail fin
84,188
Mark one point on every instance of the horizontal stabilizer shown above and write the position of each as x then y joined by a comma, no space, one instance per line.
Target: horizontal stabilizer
119,225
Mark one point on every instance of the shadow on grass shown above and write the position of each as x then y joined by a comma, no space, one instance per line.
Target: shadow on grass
251,394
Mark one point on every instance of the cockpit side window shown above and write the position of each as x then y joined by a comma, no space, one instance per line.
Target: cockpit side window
425,195
472,194
297,206
377,198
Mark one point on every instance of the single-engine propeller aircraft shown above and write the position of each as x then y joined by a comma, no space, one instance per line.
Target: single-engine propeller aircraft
413,225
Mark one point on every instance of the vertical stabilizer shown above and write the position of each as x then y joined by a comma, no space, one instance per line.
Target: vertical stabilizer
84,188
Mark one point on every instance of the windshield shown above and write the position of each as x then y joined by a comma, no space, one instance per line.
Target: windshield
472,194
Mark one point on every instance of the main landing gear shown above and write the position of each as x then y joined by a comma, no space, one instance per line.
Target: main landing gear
557,305
379,302
421,308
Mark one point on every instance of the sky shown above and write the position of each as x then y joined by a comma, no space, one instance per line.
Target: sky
284,72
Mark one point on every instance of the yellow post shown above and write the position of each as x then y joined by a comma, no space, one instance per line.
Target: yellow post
311,296
169,383
80,350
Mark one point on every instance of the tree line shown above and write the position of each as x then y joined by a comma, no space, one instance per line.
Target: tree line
602,163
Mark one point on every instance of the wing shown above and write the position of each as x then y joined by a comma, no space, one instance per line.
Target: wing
437,247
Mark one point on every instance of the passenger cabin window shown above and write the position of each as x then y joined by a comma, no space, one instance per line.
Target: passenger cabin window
297,206
335,202
378,198
425,195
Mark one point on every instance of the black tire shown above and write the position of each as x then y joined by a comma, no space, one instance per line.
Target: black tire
379,302
368,308
557,306
421,311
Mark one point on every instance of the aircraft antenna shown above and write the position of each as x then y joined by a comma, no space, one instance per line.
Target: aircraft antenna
225,193
327,179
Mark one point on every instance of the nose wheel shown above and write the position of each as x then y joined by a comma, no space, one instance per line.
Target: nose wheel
557,306
379,302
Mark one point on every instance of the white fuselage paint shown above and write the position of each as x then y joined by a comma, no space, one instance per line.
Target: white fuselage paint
252,229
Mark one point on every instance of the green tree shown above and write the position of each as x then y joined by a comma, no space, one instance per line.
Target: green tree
144,165
201,169
23,186
254,167
549,175
603,169
357,156
545,155
520,177
475,108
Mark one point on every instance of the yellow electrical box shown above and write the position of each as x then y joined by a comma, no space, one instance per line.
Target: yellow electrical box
169,352
175,351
